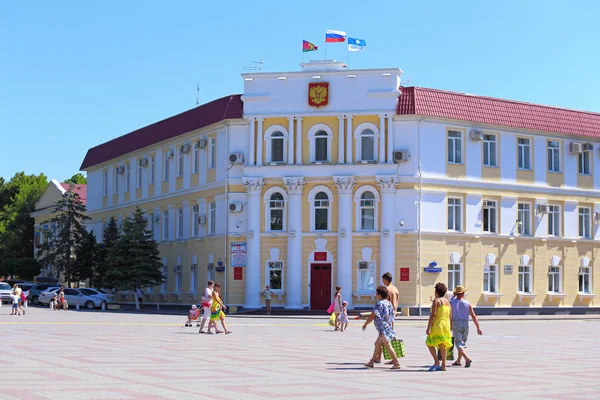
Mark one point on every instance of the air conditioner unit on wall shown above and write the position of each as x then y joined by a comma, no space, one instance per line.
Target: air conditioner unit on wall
542,209
235,207
201,143
195,208
143,162
169,154
156,217
489,203
476,135
236,158
401,156
597,217
120,170
575,148
185,148
202,219
587,147
363,265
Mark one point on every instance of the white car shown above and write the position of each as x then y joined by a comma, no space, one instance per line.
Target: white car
73,297
5,292
101,294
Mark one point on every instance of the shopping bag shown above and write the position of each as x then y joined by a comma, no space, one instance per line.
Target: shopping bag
398,346
449,353
332,319
331,308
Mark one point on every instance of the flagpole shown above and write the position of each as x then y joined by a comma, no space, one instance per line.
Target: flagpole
325,49
348,56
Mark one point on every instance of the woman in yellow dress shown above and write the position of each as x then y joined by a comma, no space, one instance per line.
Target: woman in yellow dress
216,311
439,327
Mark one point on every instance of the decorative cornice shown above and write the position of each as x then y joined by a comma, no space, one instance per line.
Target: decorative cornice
253,185
387,183
344,184
294,184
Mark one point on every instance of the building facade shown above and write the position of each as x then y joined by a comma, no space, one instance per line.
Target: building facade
330,177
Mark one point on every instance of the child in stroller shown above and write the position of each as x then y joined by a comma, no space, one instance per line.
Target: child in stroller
193,316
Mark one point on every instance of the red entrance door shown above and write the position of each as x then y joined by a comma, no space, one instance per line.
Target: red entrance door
320,286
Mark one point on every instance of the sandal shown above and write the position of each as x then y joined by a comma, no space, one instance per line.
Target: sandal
227,332
368,365
201,332
396,366
457,364
468,364
434,368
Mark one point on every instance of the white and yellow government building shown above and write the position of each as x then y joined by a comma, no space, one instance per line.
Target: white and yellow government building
329,177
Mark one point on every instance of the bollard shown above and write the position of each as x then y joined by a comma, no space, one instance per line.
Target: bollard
25,304
51,305
157,306
77,306
103,306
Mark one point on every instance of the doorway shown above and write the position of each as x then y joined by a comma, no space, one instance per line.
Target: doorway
320,286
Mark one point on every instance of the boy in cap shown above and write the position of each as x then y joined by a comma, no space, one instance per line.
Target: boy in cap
461,310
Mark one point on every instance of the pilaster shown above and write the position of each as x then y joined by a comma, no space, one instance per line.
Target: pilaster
299,136
345,186
293,282
259,143
387,186
254,187
349,139
290,142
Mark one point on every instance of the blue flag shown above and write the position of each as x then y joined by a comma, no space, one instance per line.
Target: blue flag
356,44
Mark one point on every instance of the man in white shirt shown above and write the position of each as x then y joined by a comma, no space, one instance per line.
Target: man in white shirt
206,305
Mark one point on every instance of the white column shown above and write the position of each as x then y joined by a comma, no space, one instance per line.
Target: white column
299,137
259,143
172,225
387,186
186,220
381,139
290,140
252,141
293,278
349,140
254,188
345,187
390,135
341,140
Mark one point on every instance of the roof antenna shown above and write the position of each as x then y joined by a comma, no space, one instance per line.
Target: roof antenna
257,65
197,94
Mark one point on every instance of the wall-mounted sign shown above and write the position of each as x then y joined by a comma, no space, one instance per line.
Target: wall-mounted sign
432,270
320,256
238,254
238,273
404,274
508,269
318,94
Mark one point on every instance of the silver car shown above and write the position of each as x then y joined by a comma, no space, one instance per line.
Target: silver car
73,297
101,294
5,292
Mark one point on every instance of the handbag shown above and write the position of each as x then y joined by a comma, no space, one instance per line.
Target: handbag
332,319
449,353
398,346
331,308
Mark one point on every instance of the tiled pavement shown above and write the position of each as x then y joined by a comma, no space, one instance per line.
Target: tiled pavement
95,355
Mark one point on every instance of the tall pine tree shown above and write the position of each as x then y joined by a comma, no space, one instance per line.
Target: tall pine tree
109,242
66,233
86,258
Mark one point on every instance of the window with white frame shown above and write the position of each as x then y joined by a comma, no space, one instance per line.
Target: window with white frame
165,225
275,275
276,151
584,163
366,276
368,150
105,183
195,217
178,278
127,176
490,278
210,273
524,153
212,153
554,280
585,223
367,211
553,156
454,276
115,181
490,150
140,175
321,212
276,209
180,162
524,219
180,223
554,221
152,171
166,168
193,278
165,273
454,214
321,140
489,216
196,159
212,218
525,279
584,280
455,147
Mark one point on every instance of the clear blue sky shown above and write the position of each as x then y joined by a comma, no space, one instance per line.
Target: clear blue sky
74,74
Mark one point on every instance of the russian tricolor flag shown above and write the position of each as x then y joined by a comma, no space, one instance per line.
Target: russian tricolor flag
334,36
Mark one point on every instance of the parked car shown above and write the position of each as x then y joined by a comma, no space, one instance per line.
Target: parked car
107,297
25,287
73,296
36,290
5,292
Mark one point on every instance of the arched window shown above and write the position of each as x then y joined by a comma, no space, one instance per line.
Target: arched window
367,211
321,144
277,147
321,210
367,145
276,205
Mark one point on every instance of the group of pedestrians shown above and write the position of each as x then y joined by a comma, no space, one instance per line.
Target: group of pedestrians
212,310
18,299
58,300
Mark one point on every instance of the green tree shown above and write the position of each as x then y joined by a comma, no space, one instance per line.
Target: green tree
77,179
66,233
21,268
135,261
109,242
86,258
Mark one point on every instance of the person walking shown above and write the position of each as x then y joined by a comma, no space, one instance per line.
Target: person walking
393,297
383,316
337,306
19,292
439,327
206,305
461,311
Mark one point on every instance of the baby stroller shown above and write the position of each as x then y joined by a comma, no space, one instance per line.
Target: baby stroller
194,316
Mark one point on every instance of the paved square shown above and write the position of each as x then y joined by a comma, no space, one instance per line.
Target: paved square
95,355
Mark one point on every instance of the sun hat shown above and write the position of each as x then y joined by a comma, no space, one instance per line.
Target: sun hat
344,302
194,307
459,289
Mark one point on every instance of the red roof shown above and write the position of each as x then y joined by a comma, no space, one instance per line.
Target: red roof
489,110
229,107
81,190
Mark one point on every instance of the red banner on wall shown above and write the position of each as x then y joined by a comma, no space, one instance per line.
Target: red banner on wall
237,273
404,274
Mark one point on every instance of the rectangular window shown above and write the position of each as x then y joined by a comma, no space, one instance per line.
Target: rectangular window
178,280
166,168
105,183
127,176
553,221
455,147
454,214
196,160
276,212
554,280
367,212
454,275
553,156
212,218
140,175
584,223
489,216
524,153
212,154
366,276
525,279
490,151
584,163
180,223
490,279
165,225
180,162
193,278
584,280
524,219
195,217
321,215
152,170
116,181
275,275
